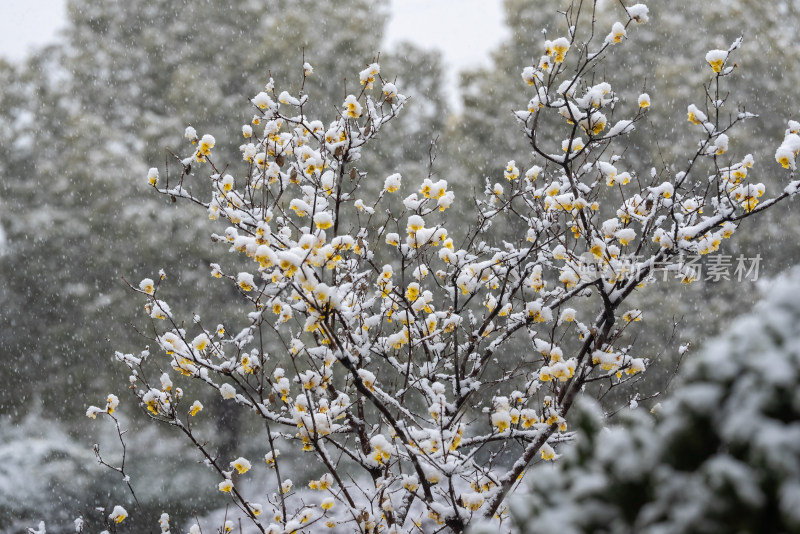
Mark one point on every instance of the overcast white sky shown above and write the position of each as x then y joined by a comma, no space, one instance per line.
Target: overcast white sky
28,23
465,30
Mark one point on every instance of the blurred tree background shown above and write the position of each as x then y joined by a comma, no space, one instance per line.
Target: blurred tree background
84,119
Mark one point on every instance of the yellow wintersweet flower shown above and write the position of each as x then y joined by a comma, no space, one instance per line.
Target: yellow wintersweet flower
512,172
245,281
118,515
412,291
545,374
352,107
716,59
559,48
695,116
269,458
241,465
617,33
196,407
147,285
632,316
206,144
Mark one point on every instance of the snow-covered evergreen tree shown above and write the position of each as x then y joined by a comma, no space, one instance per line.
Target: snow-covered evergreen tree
722,455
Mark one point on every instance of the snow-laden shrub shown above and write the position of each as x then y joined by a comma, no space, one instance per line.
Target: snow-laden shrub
722,455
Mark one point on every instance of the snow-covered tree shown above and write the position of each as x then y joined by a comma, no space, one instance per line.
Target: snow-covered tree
426,368
722,455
